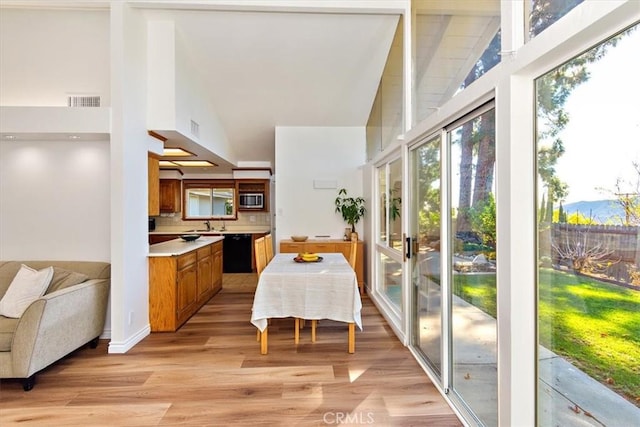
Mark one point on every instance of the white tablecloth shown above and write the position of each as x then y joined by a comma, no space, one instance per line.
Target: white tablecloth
313,290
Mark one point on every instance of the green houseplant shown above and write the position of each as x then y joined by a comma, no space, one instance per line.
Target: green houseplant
351,208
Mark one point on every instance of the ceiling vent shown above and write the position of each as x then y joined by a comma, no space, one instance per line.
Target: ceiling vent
83,101
195,129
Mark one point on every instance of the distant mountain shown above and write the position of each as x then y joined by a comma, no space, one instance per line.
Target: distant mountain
602,211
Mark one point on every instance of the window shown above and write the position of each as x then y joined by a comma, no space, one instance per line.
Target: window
454,46
209,199
588,277
543,13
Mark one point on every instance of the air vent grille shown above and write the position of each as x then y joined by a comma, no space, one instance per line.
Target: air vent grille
195,128
83,101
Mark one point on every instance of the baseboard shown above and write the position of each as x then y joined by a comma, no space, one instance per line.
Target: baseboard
123,347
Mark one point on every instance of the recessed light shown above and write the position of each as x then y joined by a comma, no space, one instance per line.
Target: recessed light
9,137
194,163
167,164
175,152
74,137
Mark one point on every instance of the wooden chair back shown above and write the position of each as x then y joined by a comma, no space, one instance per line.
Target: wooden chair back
268,248
353,251
260,254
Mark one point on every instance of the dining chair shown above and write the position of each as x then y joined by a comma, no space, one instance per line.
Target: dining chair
262,247
260,255
353,251
268,248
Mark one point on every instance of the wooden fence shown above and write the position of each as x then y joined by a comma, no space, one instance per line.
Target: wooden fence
622,240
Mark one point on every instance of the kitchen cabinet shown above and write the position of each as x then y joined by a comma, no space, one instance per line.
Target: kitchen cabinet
205,272
186,286
153,171
329,246
170,196
260,186
180,285
217,254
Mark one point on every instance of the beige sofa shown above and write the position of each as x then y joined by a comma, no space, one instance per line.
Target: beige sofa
56,324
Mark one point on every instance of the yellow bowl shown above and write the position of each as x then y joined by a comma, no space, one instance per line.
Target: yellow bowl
299,238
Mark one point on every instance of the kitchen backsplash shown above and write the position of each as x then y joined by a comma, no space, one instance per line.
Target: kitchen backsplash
245,219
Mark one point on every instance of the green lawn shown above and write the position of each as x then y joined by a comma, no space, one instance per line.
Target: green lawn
593,324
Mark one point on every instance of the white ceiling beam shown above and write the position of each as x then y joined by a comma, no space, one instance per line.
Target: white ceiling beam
299,6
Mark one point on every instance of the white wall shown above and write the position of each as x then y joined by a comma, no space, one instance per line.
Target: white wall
175,92
129,182
45,55
191,105
55,200
306,154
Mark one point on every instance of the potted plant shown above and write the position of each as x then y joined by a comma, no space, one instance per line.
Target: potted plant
352,209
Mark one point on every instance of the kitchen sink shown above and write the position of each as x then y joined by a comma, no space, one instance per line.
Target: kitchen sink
197,231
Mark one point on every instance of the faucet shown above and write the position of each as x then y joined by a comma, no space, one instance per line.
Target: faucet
208,224
223,227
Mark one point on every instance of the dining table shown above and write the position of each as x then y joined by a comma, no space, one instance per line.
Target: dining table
324,289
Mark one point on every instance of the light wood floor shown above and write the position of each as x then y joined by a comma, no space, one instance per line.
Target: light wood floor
211,373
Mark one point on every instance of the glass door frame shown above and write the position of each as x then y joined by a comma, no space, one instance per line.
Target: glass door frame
445,380
442,381
399,319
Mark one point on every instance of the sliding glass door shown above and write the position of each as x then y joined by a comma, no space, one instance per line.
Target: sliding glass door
425,257
453,261
471,265
390,237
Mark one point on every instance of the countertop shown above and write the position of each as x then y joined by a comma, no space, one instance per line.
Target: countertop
177,247
238,230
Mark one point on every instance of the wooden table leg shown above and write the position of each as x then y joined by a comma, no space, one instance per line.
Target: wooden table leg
296,332
352,337
263,340
314,323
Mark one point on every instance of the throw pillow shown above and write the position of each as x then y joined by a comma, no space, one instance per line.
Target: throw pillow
64,278
27,286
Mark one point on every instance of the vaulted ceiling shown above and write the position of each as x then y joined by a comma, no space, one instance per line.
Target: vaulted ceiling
321,66
266,69
264,64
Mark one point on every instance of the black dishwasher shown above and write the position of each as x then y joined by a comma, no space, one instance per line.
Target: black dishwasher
236,253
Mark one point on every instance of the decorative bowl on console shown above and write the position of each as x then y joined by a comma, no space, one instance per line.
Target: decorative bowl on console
299,238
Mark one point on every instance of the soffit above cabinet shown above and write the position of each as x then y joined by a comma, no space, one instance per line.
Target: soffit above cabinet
34,123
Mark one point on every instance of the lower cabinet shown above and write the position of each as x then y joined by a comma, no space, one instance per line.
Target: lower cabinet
217,267
205,273
180,285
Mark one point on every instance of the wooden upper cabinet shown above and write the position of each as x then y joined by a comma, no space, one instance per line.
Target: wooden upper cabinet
170,196
260,186
153,169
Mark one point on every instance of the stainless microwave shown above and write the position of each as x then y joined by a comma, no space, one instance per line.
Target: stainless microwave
251,200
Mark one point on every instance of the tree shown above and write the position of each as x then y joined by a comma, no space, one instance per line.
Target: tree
552,91
428,194
561,214
483,219
580,249
477,138
627,196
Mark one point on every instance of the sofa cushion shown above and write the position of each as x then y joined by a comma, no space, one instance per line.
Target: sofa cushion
7,328
8,270
63,278
25,288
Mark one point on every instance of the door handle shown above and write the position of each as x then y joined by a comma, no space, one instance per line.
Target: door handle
406,247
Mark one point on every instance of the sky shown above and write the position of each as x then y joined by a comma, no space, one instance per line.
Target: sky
602,137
